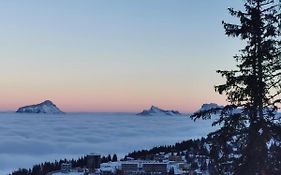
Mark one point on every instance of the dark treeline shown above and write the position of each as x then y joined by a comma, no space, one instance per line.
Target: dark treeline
44,168
206,147
191,146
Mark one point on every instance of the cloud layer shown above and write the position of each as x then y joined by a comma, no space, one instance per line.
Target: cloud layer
27,139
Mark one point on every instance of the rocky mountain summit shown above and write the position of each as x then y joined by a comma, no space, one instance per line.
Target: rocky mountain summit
208,106
157,111
46,107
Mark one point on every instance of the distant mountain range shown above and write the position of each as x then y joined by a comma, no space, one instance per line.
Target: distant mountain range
157,111
46,107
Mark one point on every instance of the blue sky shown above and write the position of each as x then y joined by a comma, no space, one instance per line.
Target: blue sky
105,55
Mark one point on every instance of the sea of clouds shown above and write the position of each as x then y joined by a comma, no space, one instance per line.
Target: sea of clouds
27,139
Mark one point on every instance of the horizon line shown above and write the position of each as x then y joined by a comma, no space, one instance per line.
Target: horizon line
14,111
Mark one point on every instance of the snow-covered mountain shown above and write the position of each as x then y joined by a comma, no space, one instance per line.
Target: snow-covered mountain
208,106
157,111
46,107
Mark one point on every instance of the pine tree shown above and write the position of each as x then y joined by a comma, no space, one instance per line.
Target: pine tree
108,158
114,158
253,89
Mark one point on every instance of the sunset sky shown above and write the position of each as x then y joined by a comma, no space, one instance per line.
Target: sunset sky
107,55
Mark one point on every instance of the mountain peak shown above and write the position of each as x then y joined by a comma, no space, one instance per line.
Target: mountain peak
154,110
46,107
208,106
47,102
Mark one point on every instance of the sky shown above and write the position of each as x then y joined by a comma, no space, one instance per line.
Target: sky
114,56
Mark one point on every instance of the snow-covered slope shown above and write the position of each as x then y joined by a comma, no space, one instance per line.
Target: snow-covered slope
157,111
209,106
46,107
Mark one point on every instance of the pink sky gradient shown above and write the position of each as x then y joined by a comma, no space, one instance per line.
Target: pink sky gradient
113,57
107,103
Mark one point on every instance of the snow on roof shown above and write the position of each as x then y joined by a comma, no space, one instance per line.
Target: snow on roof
107,169
110,165
70,173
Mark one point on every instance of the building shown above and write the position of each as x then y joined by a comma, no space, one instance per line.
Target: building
93,161
175,158
129,167
109,168
159,157
66,167
154,168
183,166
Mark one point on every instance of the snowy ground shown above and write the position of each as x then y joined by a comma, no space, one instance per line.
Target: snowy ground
27,139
